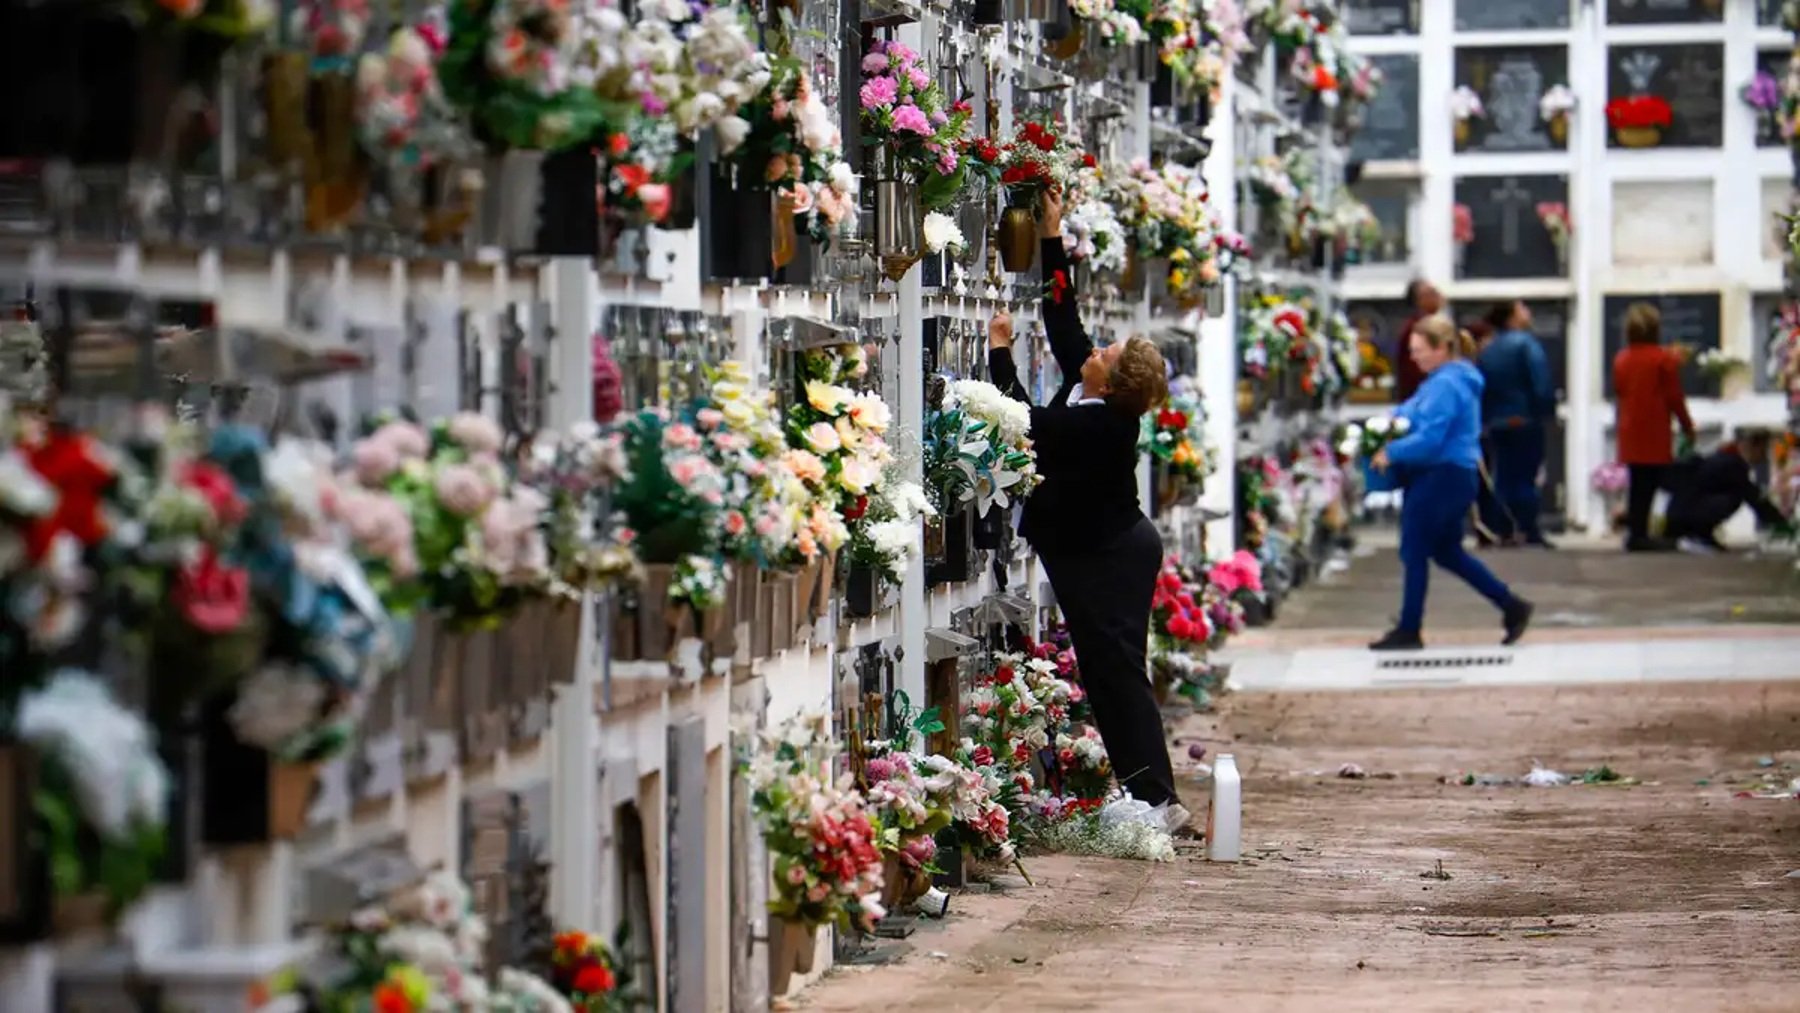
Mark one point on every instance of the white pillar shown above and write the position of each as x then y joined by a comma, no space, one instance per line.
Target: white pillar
1218,337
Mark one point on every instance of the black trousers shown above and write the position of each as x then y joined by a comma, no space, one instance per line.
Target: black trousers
1645,480
1104,592
1698,515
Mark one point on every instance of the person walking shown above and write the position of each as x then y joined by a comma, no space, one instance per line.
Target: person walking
1517,399
1426,301
1647,384
1437,461
1101,553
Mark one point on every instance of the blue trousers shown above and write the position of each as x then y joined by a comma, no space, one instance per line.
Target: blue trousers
1431,531
1518,457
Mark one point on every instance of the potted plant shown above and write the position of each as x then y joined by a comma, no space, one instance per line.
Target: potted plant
1037,159
1554,107
1465,108
1639,120
1763,96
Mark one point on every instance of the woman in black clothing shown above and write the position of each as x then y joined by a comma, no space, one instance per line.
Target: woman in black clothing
1102,554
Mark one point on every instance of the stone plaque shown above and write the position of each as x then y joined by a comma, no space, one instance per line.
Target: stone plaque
1690,77
1691,320
1663,223
1510,239
1649,12
1382,17
1487,15
1390,127
1510,81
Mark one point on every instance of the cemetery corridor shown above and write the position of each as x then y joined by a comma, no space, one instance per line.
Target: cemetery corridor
1406,889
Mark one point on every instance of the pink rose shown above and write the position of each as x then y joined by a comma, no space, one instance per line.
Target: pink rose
406,439
799,198
374,460
920,80
911,118
709,418
875,63
475,433
656,198
213,598
463,490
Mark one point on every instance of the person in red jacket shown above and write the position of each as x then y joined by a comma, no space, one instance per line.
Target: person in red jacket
1426,301
1647,383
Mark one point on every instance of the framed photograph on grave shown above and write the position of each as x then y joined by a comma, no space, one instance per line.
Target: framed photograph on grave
1382,17
1772,317
1512,82
1509,237
1763,96
1664,12
1667,96
1690,319
1503,15
1390,129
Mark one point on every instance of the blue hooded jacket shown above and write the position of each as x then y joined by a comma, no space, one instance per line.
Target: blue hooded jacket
1518,379
1445,413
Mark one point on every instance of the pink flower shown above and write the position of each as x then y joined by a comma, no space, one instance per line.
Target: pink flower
912,118
901,52
681,436
735,523
799,198
879,768
832,205
406,439
655,197
919,78
879,92
938,118
796,874
709,418
875,63
375,460
213,598
463,490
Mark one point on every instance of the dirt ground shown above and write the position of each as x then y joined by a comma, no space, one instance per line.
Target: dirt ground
1667,895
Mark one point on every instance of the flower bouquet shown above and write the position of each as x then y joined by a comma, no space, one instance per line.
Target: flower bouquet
1554,107
1716,364
408,128
977,449
1093,234
889,537
827,866
916,131
1082,766
1175,436
908,815
510,65
591,975
1112,22
1038,158
1465,108
1638,121
1555,216
789,143
1361,443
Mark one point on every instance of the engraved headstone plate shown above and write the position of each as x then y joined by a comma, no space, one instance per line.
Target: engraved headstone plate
1391,122
1689,319
1510,81
1382,17
1510,239
1651,12
1690,77
1500,15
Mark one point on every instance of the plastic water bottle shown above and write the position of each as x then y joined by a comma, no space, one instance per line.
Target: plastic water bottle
1224,814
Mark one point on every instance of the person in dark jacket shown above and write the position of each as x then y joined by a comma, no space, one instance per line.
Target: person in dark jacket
1101,553
1439,456
1516,402
1705,492
1647,384
1426,301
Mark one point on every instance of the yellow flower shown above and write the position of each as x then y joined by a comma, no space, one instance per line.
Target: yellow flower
826,397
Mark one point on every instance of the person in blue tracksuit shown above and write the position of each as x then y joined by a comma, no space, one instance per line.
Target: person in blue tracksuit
1437,461
1517,402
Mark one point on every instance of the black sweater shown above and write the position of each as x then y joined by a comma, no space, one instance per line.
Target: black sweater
1087,454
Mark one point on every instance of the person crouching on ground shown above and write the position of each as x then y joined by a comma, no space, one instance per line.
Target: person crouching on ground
1101,553
1438,461
1705,492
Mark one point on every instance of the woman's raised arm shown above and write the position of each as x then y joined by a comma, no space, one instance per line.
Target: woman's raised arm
1069,341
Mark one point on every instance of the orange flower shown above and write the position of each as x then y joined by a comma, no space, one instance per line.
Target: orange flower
1323,78
391,998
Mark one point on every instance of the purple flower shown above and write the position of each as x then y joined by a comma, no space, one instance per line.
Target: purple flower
938,118
878,92
875,63
1763,93
910,117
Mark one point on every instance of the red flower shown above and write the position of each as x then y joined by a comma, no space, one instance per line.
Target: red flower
1013,174
631,176
217,488
569,945
855,510
961,106
1088,160
1059,287
618,144
983,756
594,979
70,462
212,597
391,998
1639,111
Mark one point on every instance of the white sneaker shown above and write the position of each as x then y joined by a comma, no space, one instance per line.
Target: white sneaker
1696,547
1176,817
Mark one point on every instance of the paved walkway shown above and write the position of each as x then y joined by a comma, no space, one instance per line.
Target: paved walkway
1406,890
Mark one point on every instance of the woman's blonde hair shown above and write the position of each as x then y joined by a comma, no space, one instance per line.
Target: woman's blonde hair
1439,332
1139,381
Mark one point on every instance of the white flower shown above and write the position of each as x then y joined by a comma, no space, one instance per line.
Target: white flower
1402,425
1380,424
859,475
843,181
22,491
1556,102
827,397
106,750
731,132
1465,104
869,412
984,401
942,232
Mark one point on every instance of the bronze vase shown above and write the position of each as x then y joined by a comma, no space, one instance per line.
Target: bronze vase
1017,236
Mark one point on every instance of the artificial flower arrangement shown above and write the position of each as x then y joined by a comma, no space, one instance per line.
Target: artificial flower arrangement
1272,331
1167,214
837,435
418,949
889,538
575,471
1175,433
1189,42
510,64
1554,107
699,64
1718,364
1363,441
1093,234
402,116
909,119
978,448
589,974
101,797
1465,107
1555,216
1017,709
1117,25
1178,621
1351,225
1040,157
789,142
820,835
673,503
1638,121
